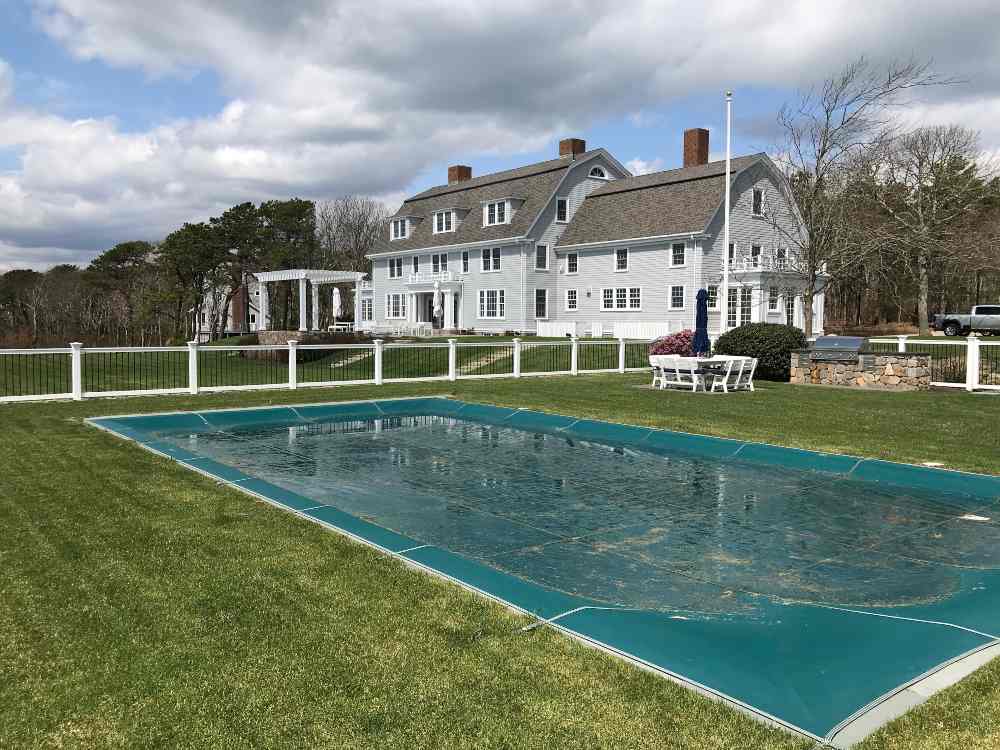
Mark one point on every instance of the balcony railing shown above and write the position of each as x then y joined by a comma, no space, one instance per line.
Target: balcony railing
429,277
761,263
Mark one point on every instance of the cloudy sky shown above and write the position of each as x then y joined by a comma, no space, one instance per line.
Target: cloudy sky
121,119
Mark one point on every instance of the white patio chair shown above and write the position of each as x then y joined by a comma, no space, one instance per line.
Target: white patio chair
683,372
659,363
722,372
745,380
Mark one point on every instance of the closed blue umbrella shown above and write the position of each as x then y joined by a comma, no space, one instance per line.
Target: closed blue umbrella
701,344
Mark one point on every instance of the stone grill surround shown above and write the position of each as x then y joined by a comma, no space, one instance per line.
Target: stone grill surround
885,371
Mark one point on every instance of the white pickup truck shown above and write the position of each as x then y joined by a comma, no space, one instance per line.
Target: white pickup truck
983,319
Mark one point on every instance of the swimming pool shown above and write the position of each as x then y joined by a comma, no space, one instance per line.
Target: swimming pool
822,592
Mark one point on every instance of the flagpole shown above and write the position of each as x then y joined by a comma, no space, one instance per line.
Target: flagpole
724,302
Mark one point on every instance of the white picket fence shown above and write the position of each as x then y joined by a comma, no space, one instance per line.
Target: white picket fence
78,372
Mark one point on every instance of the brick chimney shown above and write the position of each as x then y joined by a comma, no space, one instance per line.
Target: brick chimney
571,147
459,173
695,147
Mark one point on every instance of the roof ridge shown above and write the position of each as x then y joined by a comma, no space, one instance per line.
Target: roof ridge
650,180
505,175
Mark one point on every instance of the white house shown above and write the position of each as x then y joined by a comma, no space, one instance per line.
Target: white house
579,245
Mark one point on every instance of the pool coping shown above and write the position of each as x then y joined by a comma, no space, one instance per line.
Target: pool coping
852,729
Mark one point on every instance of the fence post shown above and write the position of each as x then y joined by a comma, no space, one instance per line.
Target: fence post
76,370
452,359
901,343
621,354
517,358
293,364
193,367
378,361
972,364
574,355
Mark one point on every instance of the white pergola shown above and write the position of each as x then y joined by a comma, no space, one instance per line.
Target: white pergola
314,278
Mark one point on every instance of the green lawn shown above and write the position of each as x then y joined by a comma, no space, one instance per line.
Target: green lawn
144,605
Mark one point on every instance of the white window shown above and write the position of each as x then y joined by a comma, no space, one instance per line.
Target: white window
758,202
491,259
713,297
496,213
253,318
677,255
745,307
676,298
395,306
443,222
732,307
491,303
789,307
465,261
367,308
400,228
562,210
416,264
621,298
541,257
621,259
732,252
772,298
572,263
541,303
755,255
599,173
395,268
439,262
781,259
571,299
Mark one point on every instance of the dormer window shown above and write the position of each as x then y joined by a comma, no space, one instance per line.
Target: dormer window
599,173
758,202
400,228
562,210
496,213
444,221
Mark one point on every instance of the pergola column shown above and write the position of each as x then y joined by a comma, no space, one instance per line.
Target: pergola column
449,309
303,314
315,307
265,308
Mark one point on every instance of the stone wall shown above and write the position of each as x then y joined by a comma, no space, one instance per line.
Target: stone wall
883,371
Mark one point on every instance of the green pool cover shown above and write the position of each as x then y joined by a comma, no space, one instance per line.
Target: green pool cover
813,590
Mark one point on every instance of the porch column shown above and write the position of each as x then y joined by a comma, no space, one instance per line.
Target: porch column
757,303
264,321
798,311
315,307
411,307
449,309
302,305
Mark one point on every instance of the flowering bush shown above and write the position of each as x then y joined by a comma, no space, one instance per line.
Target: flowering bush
678,344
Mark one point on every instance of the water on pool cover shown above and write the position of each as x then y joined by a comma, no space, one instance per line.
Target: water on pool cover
626,527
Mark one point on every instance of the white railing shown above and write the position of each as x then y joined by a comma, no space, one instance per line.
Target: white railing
760,263
78,372
969,363
429,277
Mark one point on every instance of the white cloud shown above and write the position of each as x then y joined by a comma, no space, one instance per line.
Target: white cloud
364,96
641,166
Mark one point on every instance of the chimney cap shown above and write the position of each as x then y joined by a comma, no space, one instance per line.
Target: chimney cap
571,147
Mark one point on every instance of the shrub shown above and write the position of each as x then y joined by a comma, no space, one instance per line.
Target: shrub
770,343
678,344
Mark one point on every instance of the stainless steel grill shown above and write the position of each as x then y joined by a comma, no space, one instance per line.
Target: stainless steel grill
838,348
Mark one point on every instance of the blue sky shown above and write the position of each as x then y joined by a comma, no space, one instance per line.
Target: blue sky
122,120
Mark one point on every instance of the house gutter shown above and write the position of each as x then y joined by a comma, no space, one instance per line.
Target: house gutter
458,246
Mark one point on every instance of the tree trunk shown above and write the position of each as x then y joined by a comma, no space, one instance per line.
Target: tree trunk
807,310
923,293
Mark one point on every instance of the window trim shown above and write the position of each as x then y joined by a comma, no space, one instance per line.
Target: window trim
614,299
402,306
494,258
708,289
545,293
501,304
598,168
746,293
565,201
614,260
405,223
415,264
773,294
576,300
393,262
486,213
450,213
546,266
681,245
753,202
465,261
670,298
369,303
440,260
576,257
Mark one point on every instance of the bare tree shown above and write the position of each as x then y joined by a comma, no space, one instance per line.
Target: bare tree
932,188
349,228
826,130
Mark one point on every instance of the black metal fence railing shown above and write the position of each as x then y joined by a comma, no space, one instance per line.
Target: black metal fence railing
989,364
220,367
598,355
485,359
335,366
39,373
546,357
110,370
947,361
636,354
415,361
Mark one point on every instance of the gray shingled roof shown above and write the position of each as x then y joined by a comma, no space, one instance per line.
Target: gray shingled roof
671,202
534,184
